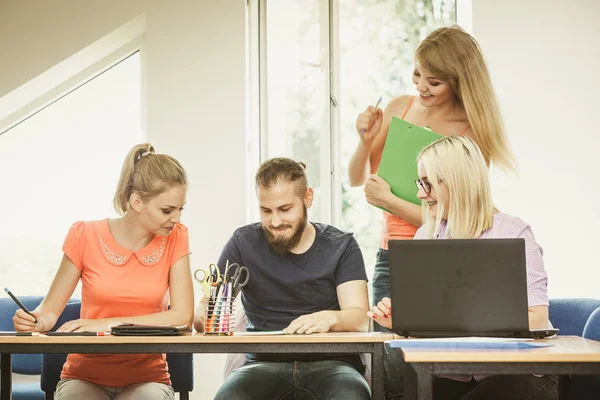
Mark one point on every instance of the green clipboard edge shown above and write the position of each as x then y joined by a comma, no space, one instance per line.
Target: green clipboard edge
398,165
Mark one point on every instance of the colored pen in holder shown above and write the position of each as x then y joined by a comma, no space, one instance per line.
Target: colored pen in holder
220,312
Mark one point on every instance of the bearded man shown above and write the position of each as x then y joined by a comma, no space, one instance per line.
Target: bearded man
305,277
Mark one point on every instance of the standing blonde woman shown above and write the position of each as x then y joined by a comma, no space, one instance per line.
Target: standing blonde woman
455,98
457,201
131,268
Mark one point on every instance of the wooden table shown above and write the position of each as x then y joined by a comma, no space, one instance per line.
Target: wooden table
570,355
198,343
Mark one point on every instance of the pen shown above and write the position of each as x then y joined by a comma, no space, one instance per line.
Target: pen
224,325
378,102
20,304
77,333
376,105
217,311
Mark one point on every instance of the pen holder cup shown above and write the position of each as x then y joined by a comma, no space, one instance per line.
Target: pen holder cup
219,316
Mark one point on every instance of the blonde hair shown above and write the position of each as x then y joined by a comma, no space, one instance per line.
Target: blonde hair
454,56
148,174
458,162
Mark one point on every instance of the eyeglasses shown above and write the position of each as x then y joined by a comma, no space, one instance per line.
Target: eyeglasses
425,185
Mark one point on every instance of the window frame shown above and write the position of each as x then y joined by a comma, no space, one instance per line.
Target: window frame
51,85
330,141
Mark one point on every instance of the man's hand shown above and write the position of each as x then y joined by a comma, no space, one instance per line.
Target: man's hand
319,322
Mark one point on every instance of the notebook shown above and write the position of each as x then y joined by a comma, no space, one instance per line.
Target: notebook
483,343
148,330
398,165
460,287
259,333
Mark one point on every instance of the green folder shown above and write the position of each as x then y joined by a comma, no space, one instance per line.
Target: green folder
398,165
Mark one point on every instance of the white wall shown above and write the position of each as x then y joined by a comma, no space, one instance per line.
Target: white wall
544,59
193,65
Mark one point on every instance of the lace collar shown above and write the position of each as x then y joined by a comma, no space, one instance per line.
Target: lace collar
117,255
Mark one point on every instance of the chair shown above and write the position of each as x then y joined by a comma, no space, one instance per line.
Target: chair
587,387
181,366
27,364
579,317
592,327
571,315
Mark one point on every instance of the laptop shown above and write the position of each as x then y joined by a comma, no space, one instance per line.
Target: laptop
460,287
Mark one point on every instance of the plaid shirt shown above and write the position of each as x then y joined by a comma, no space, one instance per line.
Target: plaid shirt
508,227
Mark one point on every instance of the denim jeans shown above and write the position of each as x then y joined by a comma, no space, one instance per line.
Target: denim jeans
381,282
297,380
393,365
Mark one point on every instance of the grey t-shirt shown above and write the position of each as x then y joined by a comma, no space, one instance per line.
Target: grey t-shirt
284,287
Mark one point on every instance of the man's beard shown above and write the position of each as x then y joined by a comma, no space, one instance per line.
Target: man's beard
282,245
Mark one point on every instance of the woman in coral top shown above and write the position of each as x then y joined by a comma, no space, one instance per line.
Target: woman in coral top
456,98
131,268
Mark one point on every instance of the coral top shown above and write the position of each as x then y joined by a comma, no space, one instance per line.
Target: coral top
117,282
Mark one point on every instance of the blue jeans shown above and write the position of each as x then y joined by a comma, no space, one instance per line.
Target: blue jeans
297,380
381,282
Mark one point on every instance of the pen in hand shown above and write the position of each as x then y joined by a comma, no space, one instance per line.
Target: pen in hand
376,106
20,304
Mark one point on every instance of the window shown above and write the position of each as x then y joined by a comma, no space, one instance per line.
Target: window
61,165
321,63
297,124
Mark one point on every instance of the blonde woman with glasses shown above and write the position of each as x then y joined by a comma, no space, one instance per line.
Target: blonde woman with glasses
457,203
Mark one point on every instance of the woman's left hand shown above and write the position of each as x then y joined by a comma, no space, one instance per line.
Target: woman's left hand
377,191
382,313
88,325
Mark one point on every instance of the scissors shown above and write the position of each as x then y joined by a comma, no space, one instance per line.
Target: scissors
235,277
208,277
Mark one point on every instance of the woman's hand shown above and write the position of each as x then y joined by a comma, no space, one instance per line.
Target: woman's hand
368,124
24,322
377,191
382,313
88,325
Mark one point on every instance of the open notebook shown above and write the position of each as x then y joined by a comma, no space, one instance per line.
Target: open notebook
483,343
